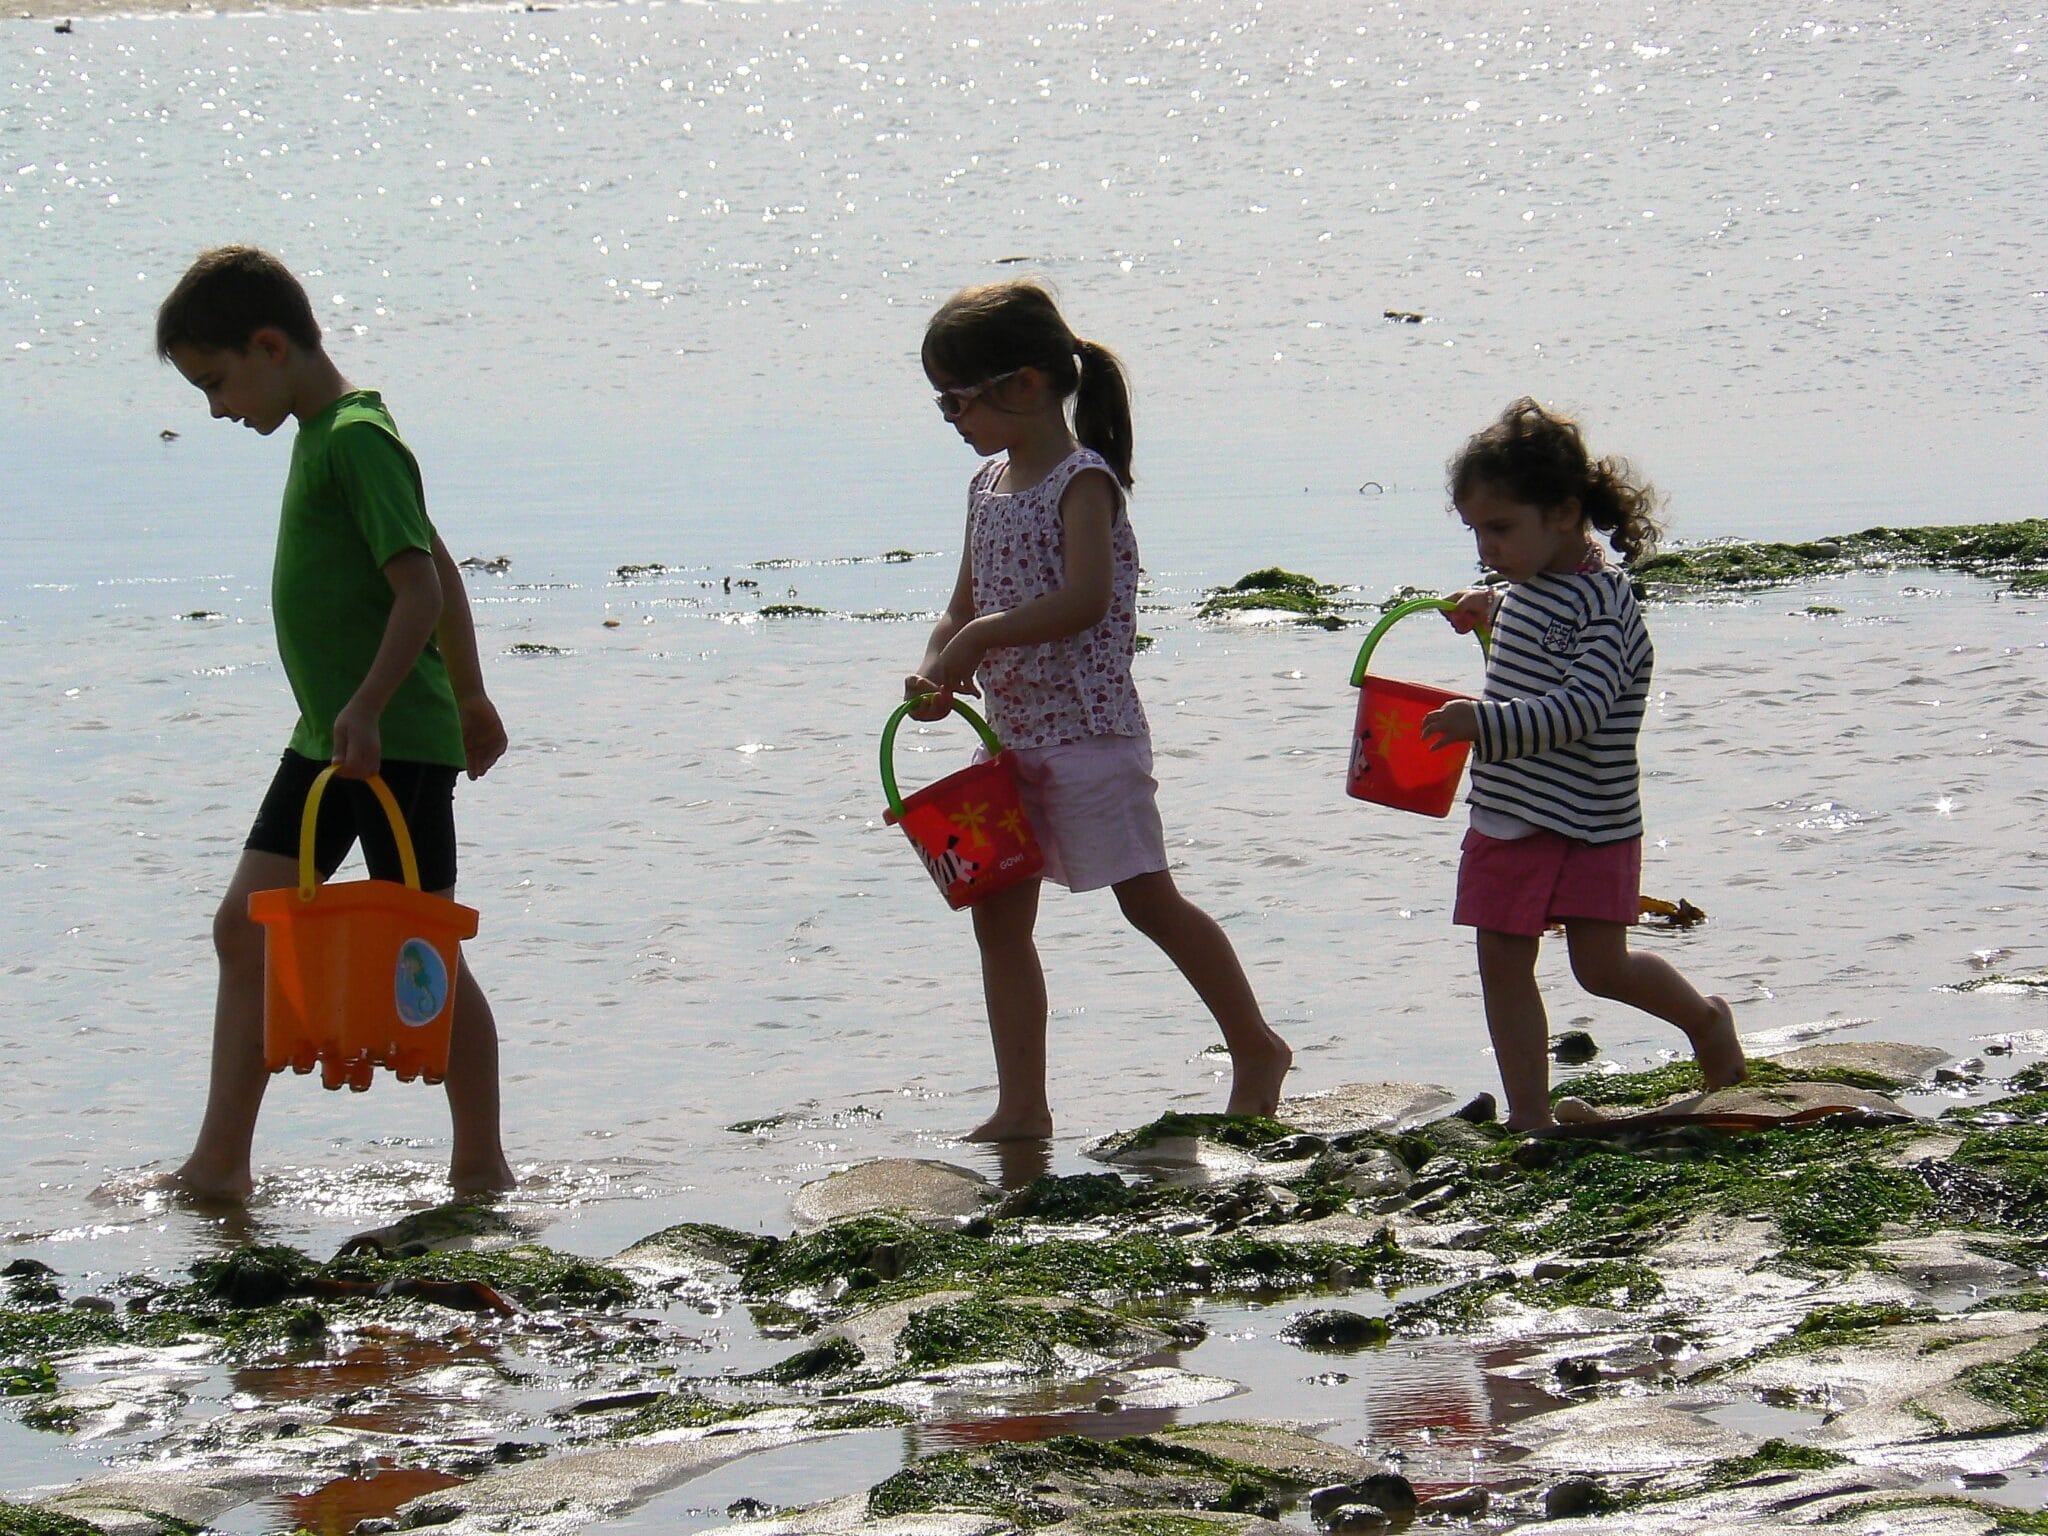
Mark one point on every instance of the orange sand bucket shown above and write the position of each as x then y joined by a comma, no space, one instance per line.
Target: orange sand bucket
969,828
1390,762
359,974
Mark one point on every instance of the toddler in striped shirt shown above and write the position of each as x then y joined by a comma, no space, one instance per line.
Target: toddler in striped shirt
1557,831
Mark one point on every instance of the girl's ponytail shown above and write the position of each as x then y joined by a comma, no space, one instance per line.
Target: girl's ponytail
1622,507
1102,407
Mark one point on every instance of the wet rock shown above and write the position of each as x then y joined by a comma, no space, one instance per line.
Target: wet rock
1479,1109
1357,1517
1625,1435
1334,1328
923,1190
457,1224
1467,1503
1575,1496
1384,1492
1573,1048
1291,1148
1375,1173
1164,1386
1901,1064
1364,1107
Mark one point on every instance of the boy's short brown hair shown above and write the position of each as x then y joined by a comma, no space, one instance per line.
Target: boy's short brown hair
227,296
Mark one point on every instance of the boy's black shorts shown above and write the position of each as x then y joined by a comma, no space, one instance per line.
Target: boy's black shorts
350,811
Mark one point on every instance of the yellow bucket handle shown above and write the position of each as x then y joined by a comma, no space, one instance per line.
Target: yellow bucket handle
309,874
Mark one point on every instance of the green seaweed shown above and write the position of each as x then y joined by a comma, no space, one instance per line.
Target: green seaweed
1246,1132
2018,1522
1010,1480
790,611
1273,589
682,1409
836,1356
29,1379
29,1520
2018,1386
987,1328
887,1257
2018,549
1682,1078
1612,1283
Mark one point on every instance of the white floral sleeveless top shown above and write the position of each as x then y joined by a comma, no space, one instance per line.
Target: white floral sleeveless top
1064,690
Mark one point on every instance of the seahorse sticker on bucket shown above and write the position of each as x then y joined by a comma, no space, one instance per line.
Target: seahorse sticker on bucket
420,989
970,829
1391,763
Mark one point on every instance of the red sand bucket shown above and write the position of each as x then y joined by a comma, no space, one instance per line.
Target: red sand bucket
1390,762
359,974
969,828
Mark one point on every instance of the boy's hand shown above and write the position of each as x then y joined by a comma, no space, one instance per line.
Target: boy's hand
358,744
940,704
1475,607
483,734
1452,723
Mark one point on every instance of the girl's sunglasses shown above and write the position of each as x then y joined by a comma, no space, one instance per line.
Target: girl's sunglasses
953,403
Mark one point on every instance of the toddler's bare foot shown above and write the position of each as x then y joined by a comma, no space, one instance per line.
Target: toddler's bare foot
1256,1075
487,1178
1008,1125
1718,1049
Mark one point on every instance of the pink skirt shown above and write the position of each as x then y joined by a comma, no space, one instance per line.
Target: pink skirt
1521,885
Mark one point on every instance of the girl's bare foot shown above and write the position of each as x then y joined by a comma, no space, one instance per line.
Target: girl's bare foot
1005,1125
1256,1076
1718,1049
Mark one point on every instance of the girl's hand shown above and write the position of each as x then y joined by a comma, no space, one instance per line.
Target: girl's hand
1452,723
937,707
1474,608
958,660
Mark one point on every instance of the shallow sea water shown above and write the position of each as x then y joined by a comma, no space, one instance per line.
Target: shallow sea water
644,284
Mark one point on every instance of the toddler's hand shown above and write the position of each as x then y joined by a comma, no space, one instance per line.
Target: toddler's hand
1474,608
483,735
1451,723
937,706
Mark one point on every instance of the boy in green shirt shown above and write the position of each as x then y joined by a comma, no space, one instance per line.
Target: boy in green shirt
374,629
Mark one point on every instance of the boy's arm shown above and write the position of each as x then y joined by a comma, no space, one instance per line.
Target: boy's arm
1088,510
415,609
483,733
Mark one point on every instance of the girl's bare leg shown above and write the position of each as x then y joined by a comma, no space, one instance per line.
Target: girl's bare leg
1607,967
218,1165
1520,1027
1013,986
476,1162
1196,944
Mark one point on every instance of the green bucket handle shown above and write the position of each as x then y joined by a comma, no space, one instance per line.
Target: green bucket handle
989,739
1401,611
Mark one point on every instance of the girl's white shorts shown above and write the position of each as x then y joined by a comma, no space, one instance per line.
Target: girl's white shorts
1095,807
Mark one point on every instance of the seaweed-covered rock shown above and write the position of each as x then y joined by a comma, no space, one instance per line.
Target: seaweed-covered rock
923,1190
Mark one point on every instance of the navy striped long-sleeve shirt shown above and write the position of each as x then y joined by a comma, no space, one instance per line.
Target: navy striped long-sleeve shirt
1565,692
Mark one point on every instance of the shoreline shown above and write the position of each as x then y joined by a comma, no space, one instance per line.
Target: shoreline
59,13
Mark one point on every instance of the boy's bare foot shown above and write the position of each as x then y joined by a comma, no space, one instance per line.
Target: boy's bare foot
1255,1078
1719,1049
208,1186
486,1179
1005,1125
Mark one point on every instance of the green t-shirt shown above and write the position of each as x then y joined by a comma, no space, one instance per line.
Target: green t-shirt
353,500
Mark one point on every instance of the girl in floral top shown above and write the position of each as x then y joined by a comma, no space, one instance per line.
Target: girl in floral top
1041,625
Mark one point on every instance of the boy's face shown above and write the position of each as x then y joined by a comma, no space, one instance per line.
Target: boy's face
252,386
